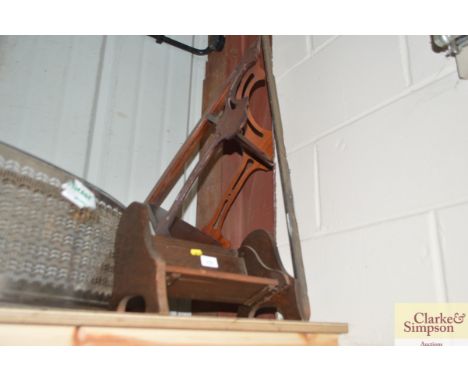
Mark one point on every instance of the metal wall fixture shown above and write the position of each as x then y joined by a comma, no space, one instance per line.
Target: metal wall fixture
455,46
215,44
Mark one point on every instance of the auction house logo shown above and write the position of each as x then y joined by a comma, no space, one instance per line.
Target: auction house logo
431,324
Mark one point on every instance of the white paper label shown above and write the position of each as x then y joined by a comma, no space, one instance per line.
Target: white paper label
209,261
77,193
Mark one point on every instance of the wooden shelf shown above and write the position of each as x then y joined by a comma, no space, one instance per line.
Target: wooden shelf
72,327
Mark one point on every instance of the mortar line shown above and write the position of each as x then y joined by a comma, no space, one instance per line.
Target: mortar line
290,69
321,47
408,91
135,123
94,108
405,59
65,88
105,104
310,45
320,235
310,53
317,198
436,253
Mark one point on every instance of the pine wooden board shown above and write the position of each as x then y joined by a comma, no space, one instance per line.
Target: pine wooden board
140,320
52,335
36,335
133,336
71,327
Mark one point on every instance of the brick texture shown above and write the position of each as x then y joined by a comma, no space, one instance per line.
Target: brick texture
376,133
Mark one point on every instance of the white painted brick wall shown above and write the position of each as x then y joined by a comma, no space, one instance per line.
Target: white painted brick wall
368,65
453,223
423,63
406,157
377,137
290,52
357,276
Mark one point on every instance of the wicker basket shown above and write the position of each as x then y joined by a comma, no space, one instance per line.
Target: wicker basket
51,252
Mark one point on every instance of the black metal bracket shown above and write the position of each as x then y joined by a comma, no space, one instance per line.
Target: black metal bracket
215,44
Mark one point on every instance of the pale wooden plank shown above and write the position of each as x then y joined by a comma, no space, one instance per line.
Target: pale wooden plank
36,335
321,339
137,336
50,335
129,320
